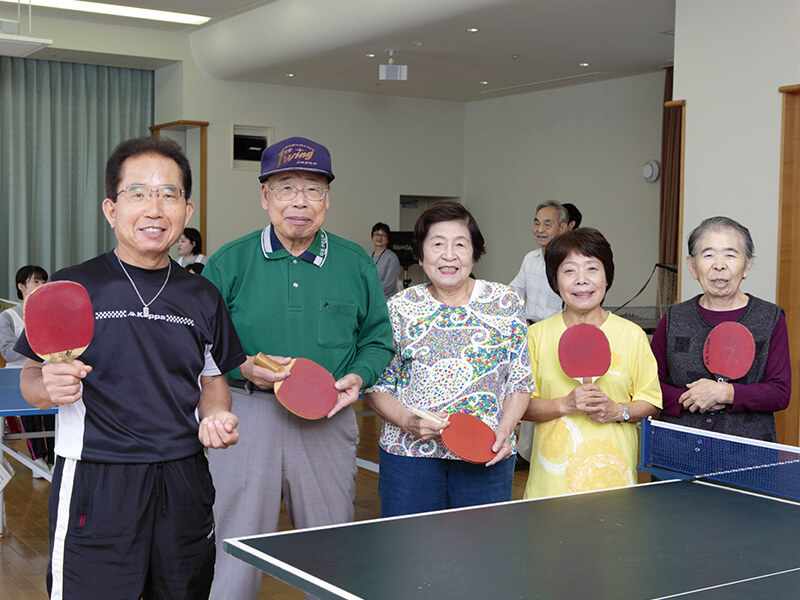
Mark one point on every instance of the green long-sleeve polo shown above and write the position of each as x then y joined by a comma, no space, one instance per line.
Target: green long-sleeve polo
332,312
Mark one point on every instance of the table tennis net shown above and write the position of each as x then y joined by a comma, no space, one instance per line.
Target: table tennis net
741,462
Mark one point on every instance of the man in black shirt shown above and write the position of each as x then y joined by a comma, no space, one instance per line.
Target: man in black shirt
131,496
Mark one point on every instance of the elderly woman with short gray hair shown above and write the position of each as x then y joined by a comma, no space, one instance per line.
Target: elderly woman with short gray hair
721,253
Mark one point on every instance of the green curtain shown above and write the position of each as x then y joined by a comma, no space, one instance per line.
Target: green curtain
58,124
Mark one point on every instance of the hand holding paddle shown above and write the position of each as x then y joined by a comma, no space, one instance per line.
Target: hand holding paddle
728,353
469,438
59,324
428,426
309,391
59,321
585,355
348,388
429,416
266,377
729,350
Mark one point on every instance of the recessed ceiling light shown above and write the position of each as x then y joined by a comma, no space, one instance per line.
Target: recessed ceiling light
417,43
472,30
584,65
370,55
514,56
119,11
484,83
290,74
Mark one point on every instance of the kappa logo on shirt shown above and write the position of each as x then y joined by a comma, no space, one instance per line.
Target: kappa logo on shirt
132,314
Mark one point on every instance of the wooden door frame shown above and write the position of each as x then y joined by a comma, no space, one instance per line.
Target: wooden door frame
787,293
203,175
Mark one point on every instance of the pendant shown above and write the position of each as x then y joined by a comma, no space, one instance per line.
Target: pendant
146,311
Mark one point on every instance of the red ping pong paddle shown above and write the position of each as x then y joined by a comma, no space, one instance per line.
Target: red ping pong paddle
59,321
729,351
583,352
469,438
308,392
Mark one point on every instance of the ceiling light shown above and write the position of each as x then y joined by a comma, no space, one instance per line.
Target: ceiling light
392,72
13,44
472,30
514,56
290,74
119,11
583,65
417,43
20,46
484,83
371,55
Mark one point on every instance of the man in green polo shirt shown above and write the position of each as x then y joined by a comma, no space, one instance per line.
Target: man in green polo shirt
293,290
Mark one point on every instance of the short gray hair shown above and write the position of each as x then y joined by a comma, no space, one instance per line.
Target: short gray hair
717,224
563,213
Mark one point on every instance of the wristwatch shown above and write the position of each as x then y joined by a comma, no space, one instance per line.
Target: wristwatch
625,414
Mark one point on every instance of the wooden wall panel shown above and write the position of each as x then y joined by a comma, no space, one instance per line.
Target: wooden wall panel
788,280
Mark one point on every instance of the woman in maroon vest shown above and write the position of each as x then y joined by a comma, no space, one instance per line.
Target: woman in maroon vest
721,253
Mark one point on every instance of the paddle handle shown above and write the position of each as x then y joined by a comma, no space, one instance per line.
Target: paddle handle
424,414
265,362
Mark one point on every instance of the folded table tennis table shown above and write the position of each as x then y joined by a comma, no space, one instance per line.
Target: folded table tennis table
12,404
683,538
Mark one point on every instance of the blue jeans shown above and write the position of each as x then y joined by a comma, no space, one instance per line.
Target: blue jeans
413,485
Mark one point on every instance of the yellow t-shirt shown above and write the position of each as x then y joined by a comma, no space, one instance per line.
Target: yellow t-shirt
573,453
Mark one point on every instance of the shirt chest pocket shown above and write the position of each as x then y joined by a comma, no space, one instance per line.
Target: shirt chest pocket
337,325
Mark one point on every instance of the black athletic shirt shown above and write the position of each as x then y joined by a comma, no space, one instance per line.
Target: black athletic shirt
139,401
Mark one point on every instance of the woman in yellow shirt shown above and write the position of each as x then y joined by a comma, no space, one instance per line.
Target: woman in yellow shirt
585,437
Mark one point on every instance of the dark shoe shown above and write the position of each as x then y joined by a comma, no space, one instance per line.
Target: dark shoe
520,463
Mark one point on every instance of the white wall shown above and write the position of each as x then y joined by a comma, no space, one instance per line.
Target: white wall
731,56
584,144
382,148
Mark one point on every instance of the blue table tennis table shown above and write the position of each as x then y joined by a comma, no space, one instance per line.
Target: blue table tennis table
681,538
12,404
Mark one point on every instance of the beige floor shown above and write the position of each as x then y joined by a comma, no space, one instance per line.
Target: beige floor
24,548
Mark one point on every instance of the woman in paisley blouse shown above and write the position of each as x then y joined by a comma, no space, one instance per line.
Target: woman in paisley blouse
461,347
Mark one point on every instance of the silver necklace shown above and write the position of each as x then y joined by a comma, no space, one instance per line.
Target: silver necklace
145,307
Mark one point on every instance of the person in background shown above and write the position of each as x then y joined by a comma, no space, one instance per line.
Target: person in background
196,268
721,253
293,290
386,261
190,247
541,302
131,496
460,348
585,437
575,216
27,279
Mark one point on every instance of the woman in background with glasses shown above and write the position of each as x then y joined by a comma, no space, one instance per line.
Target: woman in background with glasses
386,261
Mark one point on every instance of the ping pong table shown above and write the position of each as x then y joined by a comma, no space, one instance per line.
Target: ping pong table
670,539
12,404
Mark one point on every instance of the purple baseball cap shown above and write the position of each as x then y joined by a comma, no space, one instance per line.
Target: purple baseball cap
295,154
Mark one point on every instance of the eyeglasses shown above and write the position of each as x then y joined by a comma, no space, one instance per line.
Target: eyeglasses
286,193
139,193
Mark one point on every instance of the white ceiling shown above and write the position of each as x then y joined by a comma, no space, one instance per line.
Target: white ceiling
324,42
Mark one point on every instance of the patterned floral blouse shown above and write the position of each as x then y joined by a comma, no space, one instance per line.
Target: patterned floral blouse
454,359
